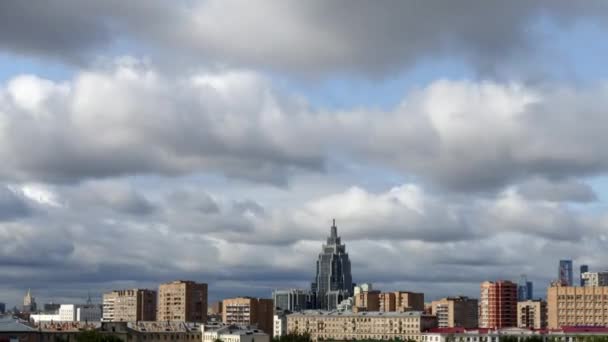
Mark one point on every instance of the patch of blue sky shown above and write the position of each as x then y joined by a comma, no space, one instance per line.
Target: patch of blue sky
347,91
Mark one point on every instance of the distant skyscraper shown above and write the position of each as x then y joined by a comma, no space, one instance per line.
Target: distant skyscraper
564,274
2,308
524,289
29,302
333,281
583,269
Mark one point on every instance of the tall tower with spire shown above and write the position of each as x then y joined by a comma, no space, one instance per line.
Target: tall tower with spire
333,281
29,302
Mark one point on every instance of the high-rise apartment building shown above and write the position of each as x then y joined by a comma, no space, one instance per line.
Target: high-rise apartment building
577,306
532,314
246,311
129,305
594,279
564,274
366,301
333,280
293,299
583,269
401,301
182,300
498,304
455,312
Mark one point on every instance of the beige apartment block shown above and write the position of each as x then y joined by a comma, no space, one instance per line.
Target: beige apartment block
366,301
532,314
129,305
184,301
349,326
454,312
247,311
582,306
400,301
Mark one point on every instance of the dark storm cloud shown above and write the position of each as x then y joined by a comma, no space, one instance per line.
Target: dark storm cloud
315,37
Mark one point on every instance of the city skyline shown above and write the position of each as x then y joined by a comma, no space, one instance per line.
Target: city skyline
147,141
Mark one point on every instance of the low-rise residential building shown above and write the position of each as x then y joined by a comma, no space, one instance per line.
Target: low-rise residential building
455,312
333,325
232,333
532,314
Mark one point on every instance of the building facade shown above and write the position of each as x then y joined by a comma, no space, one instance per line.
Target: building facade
498,304
577,306
532,314
293,299
246,311
400,301
333,279
129,305
71,313
366,301
182,301
456,312
279,325
594,279
342,326
564,273
231,333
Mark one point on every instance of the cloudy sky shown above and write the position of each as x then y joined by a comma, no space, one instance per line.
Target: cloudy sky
146,141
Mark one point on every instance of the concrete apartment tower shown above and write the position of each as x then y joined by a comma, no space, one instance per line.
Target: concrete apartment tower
455,312
246,311
498,304
333,280
183,301
129,305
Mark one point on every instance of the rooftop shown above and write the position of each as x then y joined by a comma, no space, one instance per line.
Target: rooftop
11,324
360,314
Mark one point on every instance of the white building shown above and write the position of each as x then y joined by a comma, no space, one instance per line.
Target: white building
232,333
279,325
71,313
595,278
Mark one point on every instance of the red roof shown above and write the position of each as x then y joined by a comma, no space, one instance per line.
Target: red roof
582,329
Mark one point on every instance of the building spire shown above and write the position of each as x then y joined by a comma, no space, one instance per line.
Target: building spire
334,230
